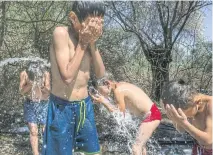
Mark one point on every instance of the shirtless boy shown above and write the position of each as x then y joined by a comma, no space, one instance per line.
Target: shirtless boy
130,97
70,122
190,111
35,86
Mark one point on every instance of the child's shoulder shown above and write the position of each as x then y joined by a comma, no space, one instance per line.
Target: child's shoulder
57,28
60,30
121,85
23,73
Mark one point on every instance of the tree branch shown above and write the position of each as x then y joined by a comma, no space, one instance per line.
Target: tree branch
160,14
46,10
174,14
163,26
34,21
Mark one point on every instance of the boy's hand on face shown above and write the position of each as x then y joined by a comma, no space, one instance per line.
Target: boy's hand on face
95,25
91,30
97,99
176,116
85,34
98,25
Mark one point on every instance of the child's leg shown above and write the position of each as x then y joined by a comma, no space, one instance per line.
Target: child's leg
145,132
43,128
34,137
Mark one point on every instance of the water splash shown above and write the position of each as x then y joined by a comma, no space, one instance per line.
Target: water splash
37,81
14,60
126,127
121,131
36,93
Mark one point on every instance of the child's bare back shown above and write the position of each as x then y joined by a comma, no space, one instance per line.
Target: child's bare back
136,101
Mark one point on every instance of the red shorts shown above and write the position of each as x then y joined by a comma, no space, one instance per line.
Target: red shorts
154,115
200,150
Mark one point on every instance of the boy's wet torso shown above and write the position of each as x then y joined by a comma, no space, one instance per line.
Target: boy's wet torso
77,90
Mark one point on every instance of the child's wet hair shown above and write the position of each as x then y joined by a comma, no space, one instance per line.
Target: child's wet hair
108,76
94,83
83,9
178,93
35,70
102,81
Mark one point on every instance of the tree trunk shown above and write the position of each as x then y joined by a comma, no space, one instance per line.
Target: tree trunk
160,74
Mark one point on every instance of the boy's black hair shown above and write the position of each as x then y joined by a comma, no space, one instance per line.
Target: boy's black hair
84,8
178,93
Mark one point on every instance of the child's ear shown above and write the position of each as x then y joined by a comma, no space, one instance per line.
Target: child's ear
74,19
107,82
198,102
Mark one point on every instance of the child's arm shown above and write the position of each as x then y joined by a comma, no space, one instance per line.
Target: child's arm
108,105
46,87
119,96
178,127
120,100
104,101
24,86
